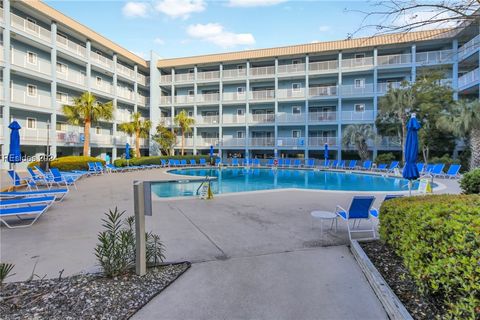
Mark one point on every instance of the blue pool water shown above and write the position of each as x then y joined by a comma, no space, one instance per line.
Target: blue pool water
230,180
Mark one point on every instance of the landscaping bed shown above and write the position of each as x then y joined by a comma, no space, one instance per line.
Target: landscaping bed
91,296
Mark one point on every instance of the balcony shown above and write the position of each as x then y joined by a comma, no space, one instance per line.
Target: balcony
30,27
262,142
125,93
143,100
233,142
321,92
166,78
262,118
234,74
323,67
383,87
394,60
166,121
367,115
291,69
73,77
102,61
357,63
123,116
207,142
212,120
469,79
389,143
1,51
262,72
142,79
41,100
165,100
291,142
38,135
234,96
184,99
233,119
19,59
208,98
68,137
1,14
125,72
322,116
101,139
468,48
208,76
434,57
72,47
352,90
103,86
184,77
262,95
287,94
188,142
291,117
321,141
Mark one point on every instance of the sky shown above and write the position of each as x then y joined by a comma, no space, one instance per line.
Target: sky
177,28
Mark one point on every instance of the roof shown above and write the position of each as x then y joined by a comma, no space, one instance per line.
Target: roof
57,16
328,46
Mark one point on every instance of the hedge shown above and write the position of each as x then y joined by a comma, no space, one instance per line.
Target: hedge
155,160
470,182
70,163
438,238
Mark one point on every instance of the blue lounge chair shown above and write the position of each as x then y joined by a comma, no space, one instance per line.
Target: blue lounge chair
438,170
203,162
99,167
32,213
286,163
234,162
280,162
163,163
218,161
39,180
393,166
341,164
256,162
19,182
58,193
420,167
359,210
183,163
310,163
270,163
297,163
61,179
374,212
352,164
453,171
429,168
367,165
382,167
18,202
193,162
335,164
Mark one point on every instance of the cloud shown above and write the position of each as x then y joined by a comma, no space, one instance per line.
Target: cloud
159,41
421,20
324,28
254,3
135,9
216,34
180,8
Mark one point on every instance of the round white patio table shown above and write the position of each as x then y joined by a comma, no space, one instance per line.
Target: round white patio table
324,215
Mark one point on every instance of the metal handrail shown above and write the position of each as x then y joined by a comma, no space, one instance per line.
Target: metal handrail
207,179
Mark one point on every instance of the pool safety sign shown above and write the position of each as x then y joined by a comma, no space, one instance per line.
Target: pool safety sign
206,192
424,186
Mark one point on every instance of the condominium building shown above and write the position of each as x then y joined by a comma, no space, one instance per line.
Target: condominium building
286,101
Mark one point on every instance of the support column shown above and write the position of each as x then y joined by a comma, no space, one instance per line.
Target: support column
247,110
6,81
339,108
53,93
115,105
172,89
220,114
275,133
414,63
307,85
455,69
375,100
155,96
195,88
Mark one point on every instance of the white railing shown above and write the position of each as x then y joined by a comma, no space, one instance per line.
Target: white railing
207,142
19,58
1,92
208,75
1,14
234,73
166,100
291,68
290,93
383,87
434,57
262,95
30,27
184,77
101,60
208,119
125,71
101,139
394,59
258,72
103,86
234,96
1,51
262,142
388,143
188,142
73,76
325,91
469,78
355,63
143,142
184,99
123,92
290,117
469,47
233,118
322,116
142,79
62,101
40,100
34,135
233,142
166,78
323,66
352,90
320,141
123,116
262,118
358,116
166,121
143,100
208,98
121,139
291,142
71,46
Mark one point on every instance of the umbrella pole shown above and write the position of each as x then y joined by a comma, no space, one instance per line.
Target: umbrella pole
410,188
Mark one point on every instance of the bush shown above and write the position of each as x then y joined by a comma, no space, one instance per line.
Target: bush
116,250
385,158
470,182
70,163
438,239
5,269
444,159
155,160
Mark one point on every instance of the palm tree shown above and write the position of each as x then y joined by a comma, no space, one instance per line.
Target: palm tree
358,135
86,110
185,123
138,127
464,121
166,138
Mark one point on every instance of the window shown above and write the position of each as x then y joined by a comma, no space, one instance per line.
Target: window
240,112
359,56
296,110
61,126
99,53
62,68
296,61
241,90
190,114
31,90
359,83
296,87
191,70
240,134
31,24
98,130
359,107
62,97
240,67
191,92
31,57
62,38
99,81
31,123
295,133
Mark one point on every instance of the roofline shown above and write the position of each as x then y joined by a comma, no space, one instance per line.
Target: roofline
57,16
327,46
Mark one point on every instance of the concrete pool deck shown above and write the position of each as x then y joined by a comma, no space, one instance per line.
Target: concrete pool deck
255,255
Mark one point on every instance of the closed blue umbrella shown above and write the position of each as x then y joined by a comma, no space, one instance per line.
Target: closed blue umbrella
325,152
14,154
211,151
410,171
127,152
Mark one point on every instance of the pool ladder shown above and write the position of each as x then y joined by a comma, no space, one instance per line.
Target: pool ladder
206,180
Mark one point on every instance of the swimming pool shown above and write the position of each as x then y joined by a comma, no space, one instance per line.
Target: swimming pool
230,180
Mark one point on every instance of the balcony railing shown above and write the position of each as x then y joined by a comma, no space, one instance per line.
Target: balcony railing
233,142
291,117
469,47
389,143
166,100
208,76
102,139
208,119
262,95
233,118
207,142
356,63
367,115
38,135
262,118
262,72
166,121
469,79
142,79
291,68
262,142
19,58
42,100
291,93
291,142
166,78
125,71
234,73
321,141
103,86
124,93
123,116
234,96
383,87
1,51
30,27
326,91
352,90
101,60
71,46
323,66
73,76
322,116
434,57
184,99
143,100
394,59
208,98
184,77
1,14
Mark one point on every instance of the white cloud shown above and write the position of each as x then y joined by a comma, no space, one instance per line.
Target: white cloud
216,34
324,28
254,3
135,9
422,18
159,41
180,8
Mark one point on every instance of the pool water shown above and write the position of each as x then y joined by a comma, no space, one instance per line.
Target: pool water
230,180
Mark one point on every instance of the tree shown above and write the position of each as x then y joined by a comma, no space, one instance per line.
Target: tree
358,135
86,110
185,123
138,127
166,138
463,119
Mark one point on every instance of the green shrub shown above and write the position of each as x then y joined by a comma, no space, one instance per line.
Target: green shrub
70,163
5,269
470,182
116,248
438,238
444,159
155,160
385,158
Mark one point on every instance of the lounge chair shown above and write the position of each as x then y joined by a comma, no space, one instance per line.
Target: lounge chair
270,163
19,182
281,162
453,171
193,162
335,164
297,163
183,163
352,164
218,161
437,170
234,162
256,162
310,163
203,162
163,163
420,167
38,179
382,167
100,167
286,163
429,168
367,165
341,164
359,210
374,212
22,213
393,166
58,193
18,202
61,179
